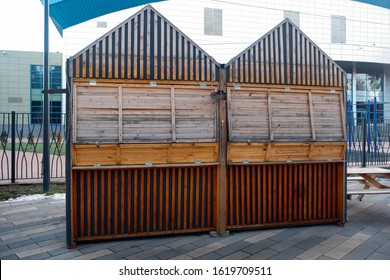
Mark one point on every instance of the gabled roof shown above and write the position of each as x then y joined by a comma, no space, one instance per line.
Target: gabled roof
285,55
146,47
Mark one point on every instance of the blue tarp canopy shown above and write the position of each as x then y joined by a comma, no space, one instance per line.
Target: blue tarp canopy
66,13
380,3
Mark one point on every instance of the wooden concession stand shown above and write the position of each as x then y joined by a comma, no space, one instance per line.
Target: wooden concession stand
286,133
164,139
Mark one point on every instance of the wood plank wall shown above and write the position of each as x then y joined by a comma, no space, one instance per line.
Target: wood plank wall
138,113
285,194
145,47
263,113
287,56
144,201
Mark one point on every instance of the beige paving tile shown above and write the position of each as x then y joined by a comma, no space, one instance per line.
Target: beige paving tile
206,249
259,237
333,241
183,257
314,252
40,250
22,233
28,221
347,246
18,210
94,255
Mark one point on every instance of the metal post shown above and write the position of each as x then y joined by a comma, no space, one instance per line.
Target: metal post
349,124
364,160
368,125
13,148
375,128
46,109
68,165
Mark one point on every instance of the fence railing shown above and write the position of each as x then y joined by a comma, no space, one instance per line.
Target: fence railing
21,140
368,142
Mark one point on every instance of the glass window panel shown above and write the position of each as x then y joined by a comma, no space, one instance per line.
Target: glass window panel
361,85
36,83
213,21
349,84
361,96
293,16
338,29
370,96
379,96
349,96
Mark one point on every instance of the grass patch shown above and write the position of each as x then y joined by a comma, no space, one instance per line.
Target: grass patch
14,191
37,148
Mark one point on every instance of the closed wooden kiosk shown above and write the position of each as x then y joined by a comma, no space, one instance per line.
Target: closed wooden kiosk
286,133
144,133
166,140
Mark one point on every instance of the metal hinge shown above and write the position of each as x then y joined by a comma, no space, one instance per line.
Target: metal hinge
218,95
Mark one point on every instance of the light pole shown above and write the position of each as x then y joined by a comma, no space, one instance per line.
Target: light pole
46,109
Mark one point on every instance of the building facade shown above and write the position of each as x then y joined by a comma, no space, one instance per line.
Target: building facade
21,84
354,34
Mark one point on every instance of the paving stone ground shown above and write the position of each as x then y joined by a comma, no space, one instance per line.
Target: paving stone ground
35,230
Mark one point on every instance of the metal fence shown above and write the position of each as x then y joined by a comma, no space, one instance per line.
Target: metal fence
21,146
368,134
368,142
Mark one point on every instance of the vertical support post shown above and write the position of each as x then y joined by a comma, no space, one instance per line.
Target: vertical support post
349,124
46,110
68,161
13,149
222,174
368,125
120,114
364,160
375,128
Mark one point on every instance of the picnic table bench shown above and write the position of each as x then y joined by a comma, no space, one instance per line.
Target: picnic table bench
367,176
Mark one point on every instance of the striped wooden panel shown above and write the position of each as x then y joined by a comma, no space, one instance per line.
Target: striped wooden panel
285,194
145,47
130,202
285,55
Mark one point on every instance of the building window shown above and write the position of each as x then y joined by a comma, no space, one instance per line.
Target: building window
339,30
369,96
349,88
212,21
55,81
293,16
101,24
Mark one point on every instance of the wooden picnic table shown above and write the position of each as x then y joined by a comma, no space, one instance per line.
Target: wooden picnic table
367,176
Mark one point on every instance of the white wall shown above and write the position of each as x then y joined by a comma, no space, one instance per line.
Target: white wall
368,27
